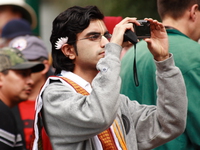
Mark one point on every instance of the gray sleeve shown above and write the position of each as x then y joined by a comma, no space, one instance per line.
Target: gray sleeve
77,117
156,125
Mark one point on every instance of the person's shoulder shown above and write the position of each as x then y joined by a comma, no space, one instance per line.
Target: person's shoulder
55,86
4,109
6,116
182,40
184,45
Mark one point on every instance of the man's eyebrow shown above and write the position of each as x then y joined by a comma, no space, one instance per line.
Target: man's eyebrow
93,33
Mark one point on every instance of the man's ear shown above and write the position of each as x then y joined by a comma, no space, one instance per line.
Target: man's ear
193,11
1,78
46,66
68,51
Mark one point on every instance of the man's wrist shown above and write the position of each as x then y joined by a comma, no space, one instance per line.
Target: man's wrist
162,58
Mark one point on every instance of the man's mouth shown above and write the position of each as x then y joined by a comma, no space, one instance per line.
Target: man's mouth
102,53
27,91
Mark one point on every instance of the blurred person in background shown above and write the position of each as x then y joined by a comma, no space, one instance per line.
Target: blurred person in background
17,34
15,87
14,28
182,22
33,49
15,9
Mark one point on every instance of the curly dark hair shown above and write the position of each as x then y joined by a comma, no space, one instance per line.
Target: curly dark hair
68,24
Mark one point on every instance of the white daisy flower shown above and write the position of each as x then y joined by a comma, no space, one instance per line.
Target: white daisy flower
61,41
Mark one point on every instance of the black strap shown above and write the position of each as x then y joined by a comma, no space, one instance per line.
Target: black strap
126,123
135,75
132,37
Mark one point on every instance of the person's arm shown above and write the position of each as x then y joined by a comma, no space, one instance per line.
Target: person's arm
156,125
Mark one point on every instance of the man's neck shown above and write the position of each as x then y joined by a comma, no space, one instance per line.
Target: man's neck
6,100
36,89
183,25
86,75
175,24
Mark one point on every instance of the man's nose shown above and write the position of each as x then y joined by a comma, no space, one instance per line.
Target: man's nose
104,41
30,80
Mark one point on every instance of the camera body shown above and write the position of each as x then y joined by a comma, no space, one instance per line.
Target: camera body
143,30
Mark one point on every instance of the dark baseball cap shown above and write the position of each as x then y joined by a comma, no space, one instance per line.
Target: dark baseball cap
12,58
31,46
15,28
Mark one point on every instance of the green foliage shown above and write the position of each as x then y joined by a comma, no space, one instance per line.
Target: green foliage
125,8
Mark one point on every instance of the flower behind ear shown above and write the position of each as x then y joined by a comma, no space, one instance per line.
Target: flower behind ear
61,41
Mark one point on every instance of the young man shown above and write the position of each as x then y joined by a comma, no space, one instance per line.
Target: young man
82,105
15,87
181,19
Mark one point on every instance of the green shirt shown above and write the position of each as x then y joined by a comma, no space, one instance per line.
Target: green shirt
187,57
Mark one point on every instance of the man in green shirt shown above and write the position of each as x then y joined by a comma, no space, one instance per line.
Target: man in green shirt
182,21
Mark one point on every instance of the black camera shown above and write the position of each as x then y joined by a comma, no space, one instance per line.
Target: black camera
143,30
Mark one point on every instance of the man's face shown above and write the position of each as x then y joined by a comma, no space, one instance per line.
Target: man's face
6,14
15,86
90,45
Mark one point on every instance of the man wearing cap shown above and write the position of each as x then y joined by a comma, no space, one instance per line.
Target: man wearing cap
33,49
13,9
15,87
17,33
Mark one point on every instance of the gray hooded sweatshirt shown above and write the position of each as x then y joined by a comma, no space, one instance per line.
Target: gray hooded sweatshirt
72,120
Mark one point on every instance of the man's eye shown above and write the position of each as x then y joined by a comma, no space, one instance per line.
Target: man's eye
25,74
94,37
108,36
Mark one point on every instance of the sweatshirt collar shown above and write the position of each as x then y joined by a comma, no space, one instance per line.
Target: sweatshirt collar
77,79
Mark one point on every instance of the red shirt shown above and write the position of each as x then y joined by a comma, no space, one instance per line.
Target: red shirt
27,112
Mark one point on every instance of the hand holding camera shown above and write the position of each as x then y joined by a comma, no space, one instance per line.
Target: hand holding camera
152,31
158,43
140,32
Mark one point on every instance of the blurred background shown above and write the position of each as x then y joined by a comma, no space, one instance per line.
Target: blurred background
47,10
